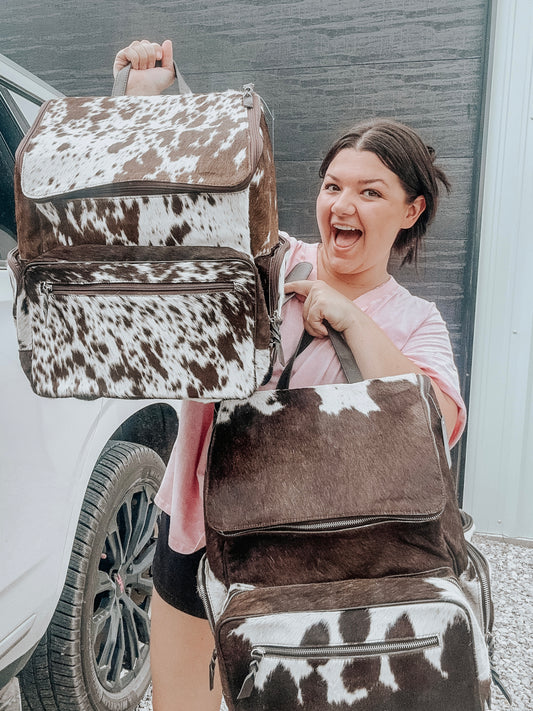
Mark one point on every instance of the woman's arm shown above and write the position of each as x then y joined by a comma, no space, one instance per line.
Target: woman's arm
145,78
375,353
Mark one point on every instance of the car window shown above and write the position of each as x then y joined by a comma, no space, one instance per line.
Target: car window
16,115
29,109
7,201
10,135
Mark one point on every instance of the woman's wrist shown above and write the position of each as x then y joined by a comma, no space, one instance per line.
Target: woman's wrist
352,322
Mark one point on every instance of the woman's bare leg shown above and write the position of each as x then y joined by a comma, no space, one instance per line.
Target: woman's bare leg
180,648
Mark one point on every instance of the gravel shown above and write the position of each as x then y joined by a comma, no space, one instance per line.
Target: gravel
512,591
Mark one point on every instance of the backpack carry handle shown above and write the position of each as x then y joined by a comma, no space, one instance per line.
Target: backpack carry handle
344,354
121,80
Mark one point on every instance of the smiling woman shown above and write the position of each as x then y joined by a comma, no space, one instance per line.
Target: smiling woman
379,193
400,149
361,208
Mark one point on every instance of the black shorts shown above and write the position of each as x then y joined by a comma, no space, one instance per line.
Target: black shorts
174,574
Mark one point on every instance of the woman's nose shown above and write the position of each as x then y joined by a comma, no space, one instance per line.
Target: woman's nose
344,205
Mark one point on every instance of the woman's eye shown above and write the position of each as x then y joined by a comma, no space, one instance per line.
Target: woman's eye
369,192
331,187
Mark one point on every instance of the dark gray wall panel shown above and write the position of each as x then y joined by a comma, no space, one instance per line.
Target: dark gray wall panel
233,34
311,106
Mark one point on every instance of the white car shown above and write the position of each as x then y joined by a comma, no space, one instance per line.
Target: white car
77,518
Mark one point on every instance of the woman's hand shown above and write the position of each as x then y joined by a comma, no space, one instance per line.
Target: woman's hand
375,354
323,303
145,79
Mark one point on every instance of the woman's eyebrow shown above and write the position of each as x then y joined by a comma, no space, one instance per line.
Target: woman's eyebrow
367,181
363,181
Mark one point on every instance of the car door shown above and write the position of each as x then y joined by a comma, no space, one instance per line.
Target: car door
77,480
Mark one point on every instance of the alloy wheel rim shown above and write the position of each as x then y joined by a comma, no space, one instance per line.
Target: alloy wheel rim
120,623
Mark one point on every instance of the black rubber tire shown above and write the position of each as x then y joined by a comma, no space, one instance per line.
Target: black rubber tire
95,653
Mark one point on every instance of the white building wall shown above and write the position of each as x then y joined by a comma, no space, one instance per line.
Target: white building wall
499,454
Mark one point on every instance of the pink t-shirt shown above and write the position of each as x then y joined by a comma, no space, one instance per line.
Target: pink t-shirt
414,325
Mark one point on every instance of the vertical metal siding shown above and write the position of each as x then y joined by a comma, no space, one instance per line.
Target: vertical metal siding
499,462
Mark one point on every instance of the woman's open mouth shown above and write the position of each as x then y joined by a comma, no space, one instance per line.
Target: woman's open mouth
345,236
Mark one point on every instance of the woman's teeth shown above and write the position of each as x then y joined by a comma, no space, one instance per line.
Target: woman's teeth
346,236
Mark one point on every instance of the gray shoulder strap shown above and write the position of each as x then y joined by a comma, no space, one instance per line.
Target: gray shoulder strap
344,354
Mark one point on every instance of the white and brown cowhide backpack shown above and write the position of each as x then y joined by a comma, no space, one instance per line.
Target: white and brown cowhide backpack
337,575
142,221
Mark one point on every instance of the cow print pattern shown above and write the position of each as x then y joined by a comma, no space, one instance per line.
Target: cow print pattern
214,220
140,157
190,139
196,345
454,673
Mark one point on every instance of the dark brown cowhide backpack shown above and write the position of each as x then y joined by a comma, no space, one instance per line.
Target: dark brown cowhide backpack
147,227
337,574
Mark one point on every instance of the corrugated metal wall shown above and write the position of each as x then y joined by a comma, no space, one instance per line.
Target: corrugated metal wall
319,67
499,462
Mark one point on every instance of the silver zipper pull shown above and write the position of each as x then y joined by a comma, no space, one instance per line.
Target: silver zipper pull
212,665
248,684
46,291
248,98
275,338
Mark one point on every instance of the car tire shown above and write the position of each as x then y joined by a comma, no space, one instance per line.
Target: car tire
95,653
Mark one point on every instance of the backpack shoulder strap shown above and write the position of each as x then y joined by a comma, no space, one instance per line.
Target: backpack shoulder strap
344,354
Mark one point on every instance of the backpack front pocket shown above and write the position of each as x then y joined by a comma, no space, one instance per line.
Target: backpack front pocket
165,323
410,643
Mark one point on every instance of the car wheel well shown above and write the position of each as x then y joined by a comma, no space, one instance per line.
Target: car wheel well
155,426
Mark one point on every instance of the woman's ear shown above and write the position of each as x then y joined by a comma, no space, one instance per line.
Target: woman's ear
413,212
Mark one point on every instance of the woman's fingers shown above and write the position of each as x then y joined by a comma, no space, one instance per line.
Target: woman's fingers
146,78
313,315
167,59
322,303
143,54
300,288
312,312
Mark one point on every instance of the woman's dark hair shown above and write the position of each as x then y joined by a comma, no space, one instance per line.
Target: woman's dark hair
402,150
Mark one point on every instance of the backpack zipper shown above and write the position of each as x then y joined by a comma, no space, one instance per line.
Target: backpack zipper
49,290
140,188
14,264
275,271
204,597
482,569
481,566
251,102
340,651
274,306
136,188
339,524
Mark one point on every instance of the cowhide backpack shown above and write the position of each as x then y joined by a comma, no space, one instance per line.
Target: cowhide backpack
147,229
337,574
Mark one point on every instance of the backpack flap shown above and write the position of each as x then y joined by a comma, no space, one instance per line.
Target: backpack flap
167,170
368,463
347,470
